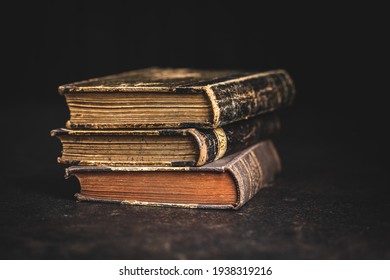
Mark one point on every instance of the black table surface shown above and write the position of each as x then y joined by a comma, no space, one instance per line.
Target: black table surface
330,202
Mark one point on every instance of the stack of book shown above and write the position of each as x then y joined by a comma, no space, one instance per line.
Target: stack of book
174,137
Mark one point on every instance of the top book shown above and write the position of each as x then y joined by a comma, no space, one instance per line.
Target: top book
175,98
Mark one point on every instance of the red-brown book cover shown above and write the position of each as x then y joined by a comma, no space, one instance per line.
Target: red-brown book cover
248,171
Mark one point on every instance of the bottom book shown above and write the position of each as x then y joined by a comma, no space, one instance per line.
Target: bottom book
227,183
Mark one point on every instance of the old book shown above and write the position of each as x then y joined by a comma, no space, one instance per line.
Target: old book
175,98
162,147
225,184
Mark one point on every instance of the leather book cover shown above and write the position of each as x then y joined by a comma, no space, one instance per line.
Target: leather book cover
231,95
211,144
251,170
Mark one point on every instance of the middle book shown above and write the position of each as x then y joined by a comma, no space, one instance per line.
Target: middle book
162,147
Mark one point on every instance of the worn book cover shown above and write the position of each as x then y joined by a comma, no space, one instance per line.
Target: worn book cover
175,98
224,184
163,147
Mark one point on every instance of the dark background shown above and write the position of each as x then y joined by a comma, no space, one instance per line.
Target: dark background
331,200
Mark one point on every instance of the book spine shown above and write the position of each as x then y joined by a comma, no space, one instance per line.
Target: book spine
216,143
254,170
246,97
